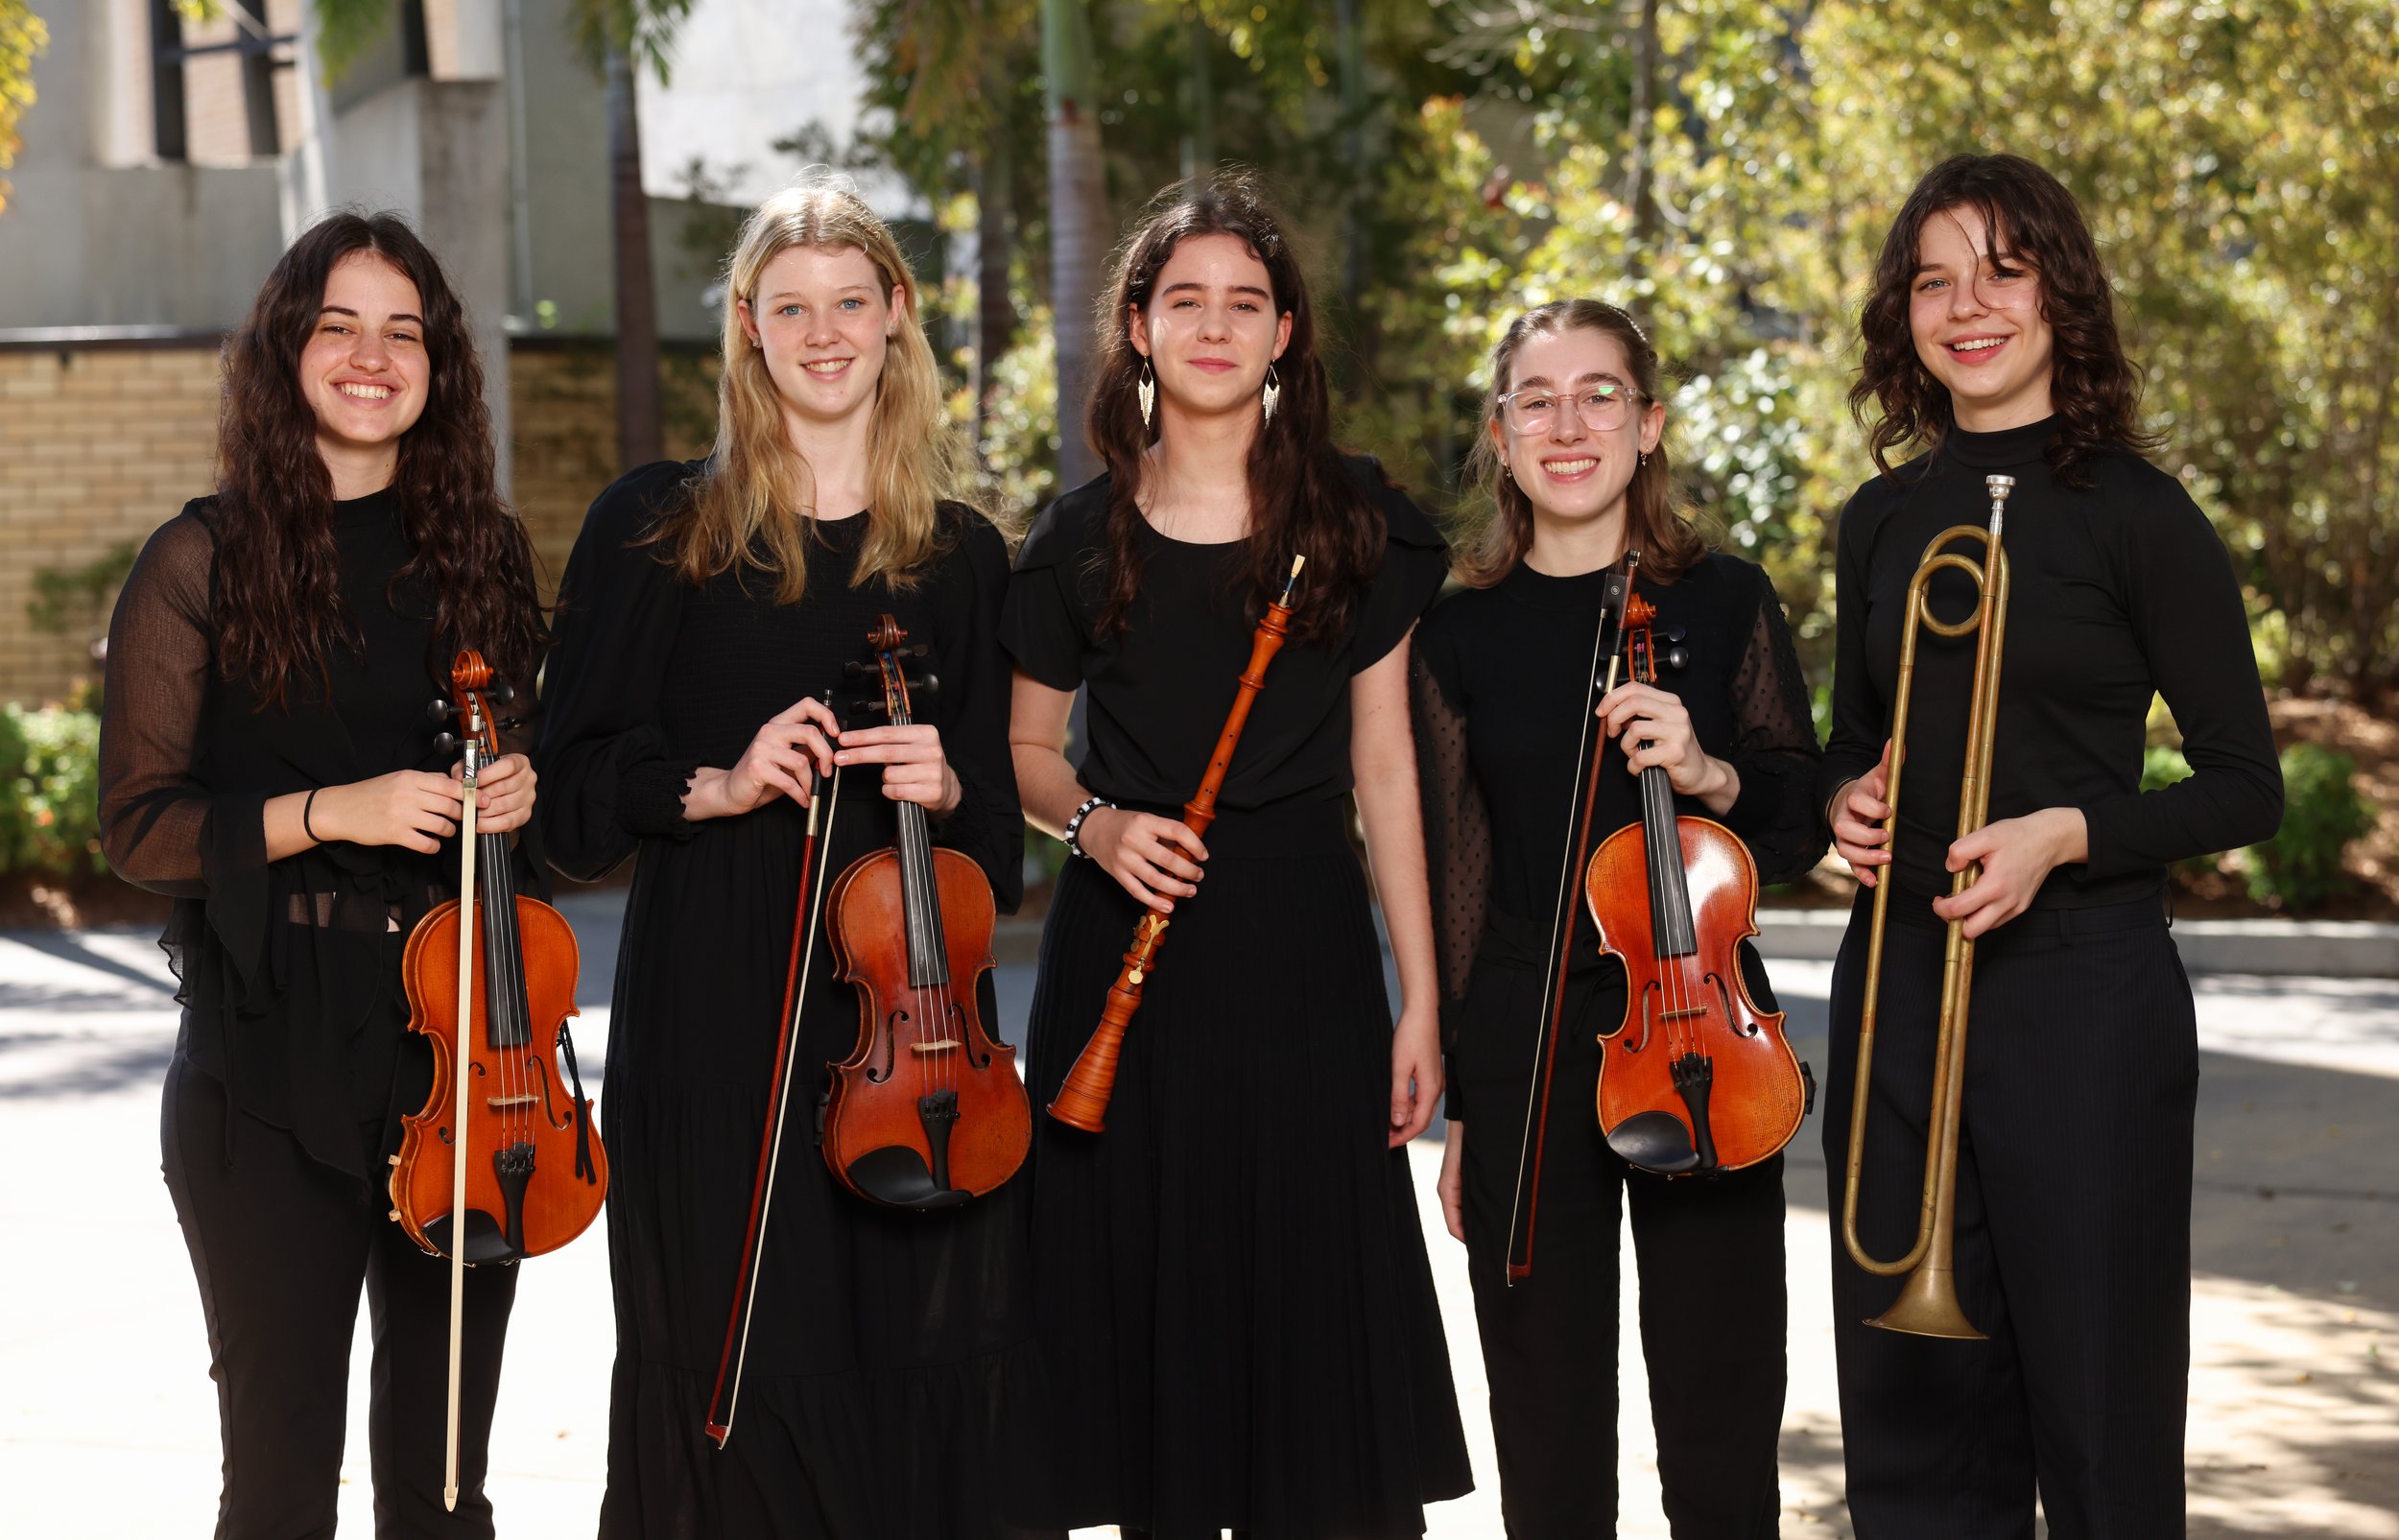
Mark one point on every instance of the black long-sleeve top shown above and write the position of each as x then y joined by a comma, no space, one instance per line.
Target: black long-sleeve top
291,977
654,677
2119,593
1500,676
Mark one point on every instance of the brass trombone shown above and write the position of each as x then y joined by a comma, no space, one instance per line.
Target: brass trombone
1927,1305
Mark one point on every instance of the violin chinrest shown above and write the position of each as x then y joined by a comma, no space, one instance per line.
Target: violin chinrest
1654,1141
898,1175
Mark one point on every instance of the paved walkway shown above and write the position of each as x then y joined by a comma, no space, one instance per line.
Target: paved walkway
107,1420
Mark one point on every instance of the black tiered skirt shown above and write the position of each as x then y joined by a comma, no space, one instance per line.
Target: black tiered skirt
1236,1321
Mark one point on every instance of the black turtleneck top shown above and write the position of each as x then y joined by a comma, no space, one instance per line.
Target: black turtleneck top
2120,592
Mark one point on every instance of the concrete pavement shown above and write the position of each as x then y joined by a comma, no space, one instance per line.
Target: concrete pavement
107,1420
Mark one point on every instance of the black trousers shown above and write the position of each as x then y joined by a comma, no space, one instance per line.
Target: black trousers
1709,1252
280,1243
2074,1231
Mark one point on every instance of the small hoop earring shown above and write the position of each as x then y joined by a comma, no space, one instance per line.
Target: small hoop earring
1273,391
1147,388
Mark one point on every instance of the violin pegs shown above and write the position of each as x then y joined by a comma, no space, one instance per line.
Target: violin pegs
439,711
501,694
929,685
445,742
916,649
853,669
1678,657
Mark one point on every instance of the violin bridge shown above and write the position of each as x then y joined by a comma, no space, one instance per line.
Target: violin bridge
1678,1015
521,1099
942,1046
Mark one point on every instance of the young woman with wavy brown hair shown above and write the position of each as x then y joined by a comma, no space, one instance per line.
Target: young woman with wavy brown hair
1237,1327
1991,350
705,608
1569,473
267,759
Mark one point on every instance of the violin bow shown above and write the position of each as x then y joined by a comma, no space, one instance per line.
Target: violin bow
735,1354
1527,1204
457,1094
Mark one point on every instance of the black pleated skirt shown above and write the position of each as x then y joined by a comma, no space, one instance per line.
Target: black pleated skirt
1235,1317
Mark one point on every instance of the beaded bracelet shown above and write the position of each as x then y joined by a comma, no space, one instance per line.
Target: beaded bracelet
1074,825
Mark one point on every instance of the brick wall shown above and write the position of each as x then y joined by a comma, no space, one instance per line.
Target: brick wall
97,447
100,445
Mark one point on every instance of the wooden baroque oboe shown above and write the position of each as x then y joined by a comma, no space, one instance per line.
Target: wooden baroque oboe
1082,1101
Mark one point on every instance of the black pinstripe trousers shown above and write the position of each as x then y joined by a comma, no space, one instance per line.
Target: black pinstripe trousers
2074,1231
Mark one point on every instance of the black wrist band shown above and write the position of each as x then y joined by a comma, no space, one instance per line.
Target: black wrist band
305,808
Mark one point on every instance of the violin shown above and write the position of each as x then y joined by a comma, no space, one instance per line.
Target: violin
502,1138
1696,1078
928,1111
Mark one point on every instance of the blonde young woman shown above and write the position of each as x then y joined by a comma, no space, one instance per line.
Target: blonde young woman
704,605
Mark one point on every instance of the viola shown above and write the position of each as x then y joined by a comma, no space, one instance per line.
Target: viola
928,1111
1696,1078
504,1140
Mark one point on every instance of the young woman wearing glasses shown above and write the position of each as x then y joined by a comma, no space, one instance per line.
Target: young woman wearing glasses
1571,474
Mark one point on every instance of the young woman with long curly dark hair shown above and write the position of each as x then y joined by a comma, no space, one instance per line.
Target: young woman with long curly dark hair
1237,1326
1570,472
267,759
706,607
1991,349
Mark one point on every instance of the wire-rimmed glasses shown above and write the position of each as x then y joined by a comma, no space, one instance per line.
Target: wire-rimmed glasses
1533,410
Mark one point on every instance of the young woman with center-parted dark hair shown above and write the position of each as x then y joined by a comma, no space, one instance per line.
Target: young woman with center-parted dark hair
1570,473
1991,347
1236,1316
703,606
267,759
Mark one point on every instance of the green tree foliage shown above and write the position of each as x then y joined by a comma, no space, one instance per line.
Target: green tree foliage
2229,153
23,38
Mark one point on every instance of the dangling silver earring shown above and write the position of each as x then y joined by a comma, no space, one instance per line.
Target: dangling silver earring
1645,460
1147,388
1273,391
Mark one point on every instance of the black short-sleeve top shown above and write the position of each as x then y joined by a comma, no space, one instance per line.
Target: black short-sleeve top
1160,688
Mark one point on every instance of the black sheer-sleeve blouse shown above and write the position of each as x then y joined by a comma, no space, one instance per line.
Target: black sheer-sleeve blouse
1498,681
290,969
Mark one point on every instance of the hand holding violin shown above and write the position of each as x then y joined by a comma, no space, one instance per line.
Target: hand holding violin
1661,735
419,809
915,769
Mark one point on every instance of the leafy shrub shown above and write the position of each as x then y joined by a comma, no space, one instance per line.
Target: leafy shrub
50,790
2322,812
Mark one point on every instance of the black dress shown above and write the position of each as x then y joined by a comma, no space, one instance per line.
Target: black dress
881,1336
1499,690
293,1062
2074,1190
1237,1319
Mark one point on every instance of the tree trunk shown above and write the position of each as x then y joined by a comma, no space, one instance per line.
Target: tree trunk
995,309
639,435
1639,195
1079,224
